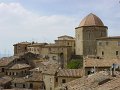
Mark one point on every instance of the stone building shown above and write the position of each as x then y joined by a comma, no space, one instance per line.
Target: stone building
66,41
36,48
61,50
67,75
18,70
20,48
108,47
61,54
92,65
90,28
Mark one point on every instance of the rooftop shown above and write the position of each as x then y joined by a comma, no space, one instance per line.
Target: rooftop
6,60
89,62
19,66
86,82
70,72
91,20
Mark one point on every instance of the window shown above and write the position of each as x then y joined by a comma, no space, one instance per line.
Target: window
13,73
116,52
56,79
31,85
23,85
15,84
25,48
16,73
88,72
102,53
68,43
10,73
63,81
3,69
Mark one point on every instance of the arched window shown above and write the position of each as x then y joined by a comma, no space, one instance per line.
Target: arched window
31,85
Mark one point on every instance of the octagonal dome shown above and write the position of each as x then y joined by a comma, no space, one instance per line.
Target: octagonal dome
91,20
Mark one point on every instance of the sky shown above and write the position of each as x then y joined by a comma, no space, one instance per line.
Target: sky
45,20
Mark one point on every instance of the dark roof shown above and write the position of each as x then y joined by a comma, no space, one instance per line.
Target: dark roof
66,36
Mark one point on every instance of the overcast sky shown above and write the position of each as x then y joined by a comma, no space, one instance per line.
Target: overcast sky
45,20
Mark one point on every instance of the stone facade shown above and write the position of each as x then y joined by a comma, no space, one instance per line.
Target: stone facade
86,34
20,48
61,50
108,47
49,81
66,41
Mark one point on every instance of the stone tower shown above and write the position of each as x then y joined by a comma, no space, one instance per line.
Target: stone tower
90,28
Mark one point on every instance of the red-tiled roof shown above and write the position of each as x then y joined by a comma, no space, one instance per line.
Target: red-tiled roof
70,73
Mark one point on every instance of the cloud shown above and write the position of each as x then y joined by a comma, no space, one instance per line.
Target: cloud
19,24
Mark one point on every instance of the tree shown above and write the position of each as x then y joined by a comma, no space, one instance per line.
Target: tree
75,64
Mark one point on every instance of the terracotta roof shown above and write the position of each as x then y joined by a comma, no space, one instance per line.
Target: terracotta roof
6,60
18,80
50,69
19,66
35,77
86,83
91,20
5,79
89,62
113,84
70,73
